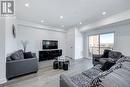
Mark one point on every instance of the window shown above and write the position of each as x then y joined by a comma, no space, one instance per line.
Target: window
93,45
98,43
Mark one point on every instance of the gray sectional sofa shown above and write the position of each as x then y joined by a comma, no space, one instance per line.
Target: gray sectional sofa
117,76
17,65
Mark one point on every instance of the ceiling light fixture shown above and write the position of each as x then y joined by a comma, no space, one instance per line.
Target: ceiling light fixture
26,4
61,17
80,23
42,21
104,13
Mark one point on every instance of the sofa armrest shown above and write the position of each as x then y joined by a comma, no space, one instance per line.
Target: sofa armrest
66,82
96,57
34,55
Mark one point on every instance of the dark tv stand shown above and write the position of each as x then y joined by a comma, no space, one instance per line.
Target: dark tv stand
49,54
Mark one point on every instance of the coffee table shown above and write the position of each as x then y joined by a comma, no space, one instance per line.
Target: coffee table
61,63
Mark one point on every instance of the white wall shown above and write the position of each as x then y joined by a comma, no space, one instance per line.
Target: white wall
122,37
34,36
7,44
2,50
11,44
70,43
74,43
78,44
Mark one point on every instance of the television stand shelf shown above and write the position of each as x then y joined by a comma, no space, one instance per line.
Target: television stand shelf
49,54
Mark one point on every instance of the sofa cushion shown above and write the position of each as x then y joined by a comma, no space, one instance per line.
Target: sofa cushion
28,55
115,55
107,65
17,55
104,60
105,54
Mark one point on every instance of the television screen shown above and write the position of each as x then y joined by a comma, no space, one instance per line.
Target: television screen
50,44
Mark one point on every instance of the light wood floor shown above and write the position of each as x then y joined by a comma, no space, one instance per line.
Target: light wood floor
47,76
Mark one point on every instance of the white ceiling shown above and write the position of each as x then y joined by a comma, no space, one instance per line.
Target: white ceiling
73,11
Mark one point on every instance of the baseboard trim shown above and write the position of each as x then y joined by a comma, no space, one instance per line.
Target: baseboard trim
2,81
69,57
87,58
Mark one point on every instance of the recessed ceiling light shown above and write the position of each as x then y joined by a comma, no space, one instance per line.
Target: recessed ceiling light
104,13
63,26
26,4
61,17
42,21
80,23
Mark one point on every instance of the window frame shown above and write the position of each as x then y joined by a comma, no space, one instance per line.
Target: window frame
99,40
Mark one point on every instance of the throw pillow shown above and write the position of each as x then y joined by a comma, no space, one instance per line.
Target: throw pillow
107,65
17,55
105,54
28,55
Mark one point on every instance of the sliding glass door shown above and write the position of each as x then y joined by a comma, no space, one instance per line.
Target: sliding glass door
106,42
98,43
93,44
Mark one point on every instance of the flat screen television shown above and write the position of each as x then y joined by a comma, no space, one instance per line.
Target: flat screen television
49,44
